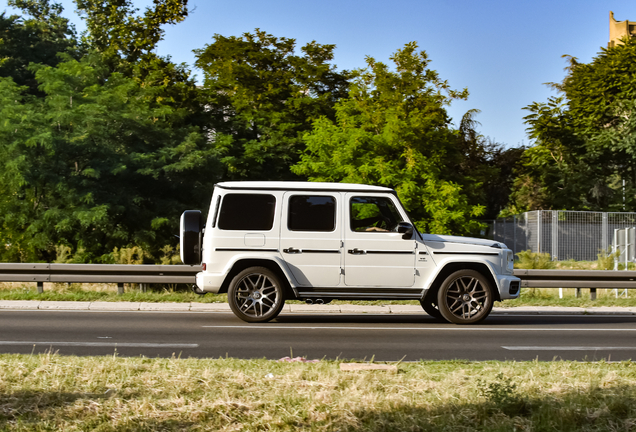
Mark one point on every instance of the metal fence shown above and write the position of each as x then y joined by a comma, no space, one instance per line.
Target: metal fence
563,234
624,246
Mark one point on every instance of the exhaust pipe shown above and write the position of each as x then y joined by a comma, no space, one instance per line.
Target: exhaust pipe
309,301
320,301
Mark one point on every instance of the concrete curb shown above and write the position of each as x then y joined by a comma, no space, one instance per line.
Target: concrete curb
297,308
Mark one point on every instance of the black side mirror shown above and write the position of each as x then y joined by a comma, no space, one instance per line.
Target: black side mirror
406,229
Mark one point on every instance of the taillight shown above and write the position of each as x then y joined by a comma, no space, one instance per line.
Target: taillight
203,266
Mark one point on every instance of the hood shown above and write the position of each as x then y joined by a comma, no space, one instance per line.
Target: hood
464,240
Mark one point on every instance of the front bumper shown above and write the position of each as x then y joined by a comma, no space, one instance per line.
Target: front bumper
509,287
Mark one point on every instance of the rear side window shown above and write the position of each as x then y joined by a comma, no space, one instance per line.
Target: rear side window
312,213
252,212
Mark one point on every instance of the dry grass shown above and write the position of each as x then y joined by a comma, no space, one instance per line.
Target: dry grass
51,392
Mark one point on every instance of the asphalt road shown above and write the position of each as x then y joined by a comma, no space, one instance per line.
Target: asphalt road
316,336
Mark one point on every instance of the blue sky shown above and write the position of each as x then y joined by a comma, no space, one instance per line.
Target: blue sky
502,51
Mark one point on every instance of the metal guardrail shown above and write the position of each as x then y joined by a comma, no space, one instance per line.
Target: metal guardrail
174,274
577,279
97,273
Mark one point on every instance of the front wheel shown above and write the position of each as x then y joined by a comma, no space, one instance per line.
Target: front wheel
256,295
465,297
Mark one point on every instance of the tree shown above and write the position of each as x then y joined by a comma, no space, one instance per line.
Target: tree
38,38
485,168
95,164
584,145
115,29
393,130
262,97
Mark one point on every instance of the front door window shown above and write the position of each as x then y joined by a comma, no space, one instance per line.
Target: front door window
374,214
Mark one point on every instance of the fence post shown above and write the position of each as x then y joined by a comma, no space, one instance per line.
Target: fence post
526,230
514,233
592,293
40,287
120,288
604,234
615,249
555,235
627,247
539,231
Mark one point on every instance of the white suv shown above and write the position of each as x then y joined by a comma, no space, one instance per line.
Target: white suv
265,242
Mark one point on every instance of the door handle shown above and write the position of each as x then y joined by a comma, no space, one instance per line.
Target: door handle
356,251
292,250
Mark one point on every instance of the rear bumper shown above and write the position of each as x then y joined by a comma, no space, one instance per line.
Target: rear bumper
509,287
210,282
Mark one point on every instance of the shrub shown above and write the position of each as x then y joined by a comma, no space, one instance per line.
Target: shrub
534,260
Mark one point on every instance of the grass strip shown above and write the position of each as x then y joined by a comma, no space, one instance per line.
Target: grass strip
51,392
178,294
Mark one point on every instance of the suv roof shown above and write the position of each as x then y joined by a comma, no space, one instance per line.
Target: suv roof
291,185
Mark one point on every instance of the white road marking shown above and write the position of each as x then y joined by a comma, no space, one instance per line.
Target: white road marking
567,348
101,344
462,329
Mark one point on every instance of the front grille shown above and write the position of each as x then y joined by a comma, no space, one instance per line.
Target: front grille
514,288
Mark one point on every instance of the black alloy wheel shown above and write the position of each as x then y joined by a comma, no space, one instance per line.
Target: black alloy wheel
256,295
465,297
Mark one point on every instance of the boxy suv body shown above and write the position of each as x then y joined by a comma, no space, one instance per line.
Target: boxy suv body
265,242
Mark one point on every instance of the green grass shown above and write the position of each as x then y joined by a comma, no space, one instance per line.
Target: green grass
178,294
104,292
50,393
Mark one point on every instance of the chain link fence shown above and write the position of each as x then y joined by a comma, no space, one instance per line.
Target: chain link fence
563,234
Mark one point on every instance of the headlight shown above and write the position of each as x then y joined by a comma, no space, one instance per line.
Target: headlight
510,261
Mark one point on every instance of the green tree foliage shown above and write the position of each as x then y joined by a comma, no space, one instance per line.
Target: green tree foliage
585,139
393,130
115,28
126,40
262,97
37,38
96,164
485,168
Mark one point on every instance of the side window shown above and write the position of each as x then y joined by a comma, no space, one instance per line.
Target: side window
312,213
252,212
374,214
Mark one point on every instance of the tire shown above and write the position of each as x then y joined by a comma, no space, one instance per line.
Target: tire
431,308
256,295
191,237
465,297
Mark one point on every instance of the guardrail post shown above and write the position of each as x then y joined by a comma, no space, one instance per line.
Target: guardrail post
120,288
592,293
40,287
577,293
143,287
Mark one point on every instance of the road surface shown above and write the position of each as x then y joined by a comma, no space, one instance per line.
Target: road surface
316,336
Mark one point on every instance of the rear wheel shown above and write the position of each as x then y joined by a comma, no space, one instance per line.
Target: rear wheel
465,297
256,295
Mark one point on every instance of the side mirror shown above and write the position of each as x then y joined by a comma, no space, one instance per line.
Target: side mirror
190,237
406,229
